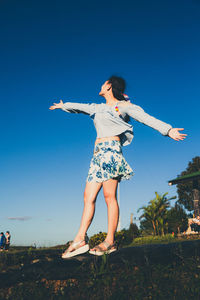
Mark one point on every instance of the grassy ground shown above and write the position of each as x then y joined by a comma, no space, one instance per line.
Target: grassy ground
166,239
150,271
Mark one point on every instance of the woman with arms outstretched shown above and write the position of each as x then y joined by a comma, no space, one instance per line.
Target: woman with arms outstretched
108,165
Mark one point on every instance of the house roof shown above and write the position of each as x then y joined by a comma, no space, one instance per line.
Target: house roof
188,177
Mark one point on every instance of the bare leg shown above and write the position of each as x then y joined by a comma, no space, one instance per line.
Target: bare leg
110,189
90,194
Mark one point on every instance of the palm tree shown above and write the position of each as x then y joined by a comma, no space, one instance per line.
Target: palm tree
149,213
156,212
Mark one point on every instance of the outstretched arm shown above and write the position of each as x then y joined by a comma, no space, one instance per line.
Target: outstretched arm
71,107
137,113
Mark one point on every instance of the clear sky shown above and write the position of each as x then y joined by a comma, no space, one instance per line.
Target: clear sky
52,50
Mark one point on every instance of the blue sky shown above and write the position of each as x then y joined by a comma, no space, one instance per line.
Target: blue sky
66,50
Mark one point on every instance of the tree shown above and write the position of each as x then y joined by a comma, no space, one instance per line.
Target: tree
184,189
133,231
155,213
149,217
146,227
177,219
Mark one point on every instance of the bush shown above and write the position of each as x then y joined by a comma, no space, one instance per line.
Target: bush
97,239
151,239
122,238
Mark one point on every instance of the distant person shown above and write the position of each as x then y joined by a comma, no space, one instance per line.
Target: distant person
108,165
198,219
195,224
2,241
7,243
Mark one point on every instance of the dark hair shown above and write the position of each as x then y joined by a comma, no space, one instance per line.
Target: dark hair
8,232
1,232
118,87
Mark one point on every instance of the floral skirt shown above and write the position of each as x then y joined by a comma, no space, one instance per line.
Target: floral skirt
108,162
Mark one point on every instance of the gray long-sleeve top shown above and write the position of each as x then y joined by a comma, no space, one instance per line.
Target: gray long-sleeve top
113,120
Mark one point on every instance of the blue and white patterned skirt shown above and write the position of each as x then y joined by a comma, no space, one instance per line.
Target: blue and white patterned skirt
108,162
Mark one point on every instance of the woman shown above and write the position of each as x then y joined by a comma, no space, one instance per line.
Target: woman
2,241
8,237
108,165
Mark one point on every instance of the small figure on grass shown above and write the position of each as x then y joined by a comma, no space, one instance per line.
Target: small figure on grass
2,241
7,243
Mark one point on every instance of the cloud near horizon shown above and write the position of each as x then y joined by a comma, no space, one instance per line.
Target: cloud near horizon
26,218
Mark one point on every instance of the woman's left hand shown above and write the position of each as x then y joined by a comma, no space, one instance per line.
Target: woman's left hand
176,135
56,105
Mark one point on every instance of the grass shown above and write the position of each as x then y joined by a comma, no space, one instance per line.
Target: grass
166,239
168,270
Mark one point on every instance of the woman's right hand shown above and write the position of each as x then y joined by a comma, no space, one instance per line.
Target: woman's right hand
174,134
56,105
